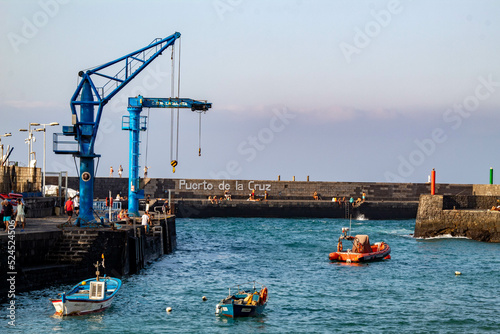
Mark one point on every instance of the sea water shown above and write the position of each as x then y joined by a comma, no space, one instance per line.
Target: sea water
416,291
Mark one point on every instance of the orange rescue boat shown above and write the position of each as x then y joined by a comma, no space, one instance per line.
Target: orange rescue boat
361,250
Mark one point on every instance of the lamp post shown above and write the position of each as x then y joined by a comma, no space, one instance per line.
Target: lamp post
1,157
44,132
30,141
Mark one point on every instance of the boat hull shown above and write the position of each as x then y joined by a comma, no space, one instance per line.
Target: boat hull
71,307
380,251
239,311
79,302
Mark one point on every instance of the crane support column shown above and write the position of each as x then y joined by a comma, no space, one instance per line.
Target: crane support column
134,128
87,157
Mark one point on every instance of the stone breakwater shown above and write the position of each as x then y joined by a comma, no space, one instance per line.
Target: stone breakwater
459,216
182,189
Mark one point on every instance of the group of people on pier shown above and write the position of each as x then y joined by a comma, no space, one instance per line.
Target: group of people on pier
342,200
9,214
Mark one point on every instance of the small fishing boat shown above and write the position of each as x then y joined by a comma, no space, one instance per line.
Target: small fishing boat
361,250
88,296
243,303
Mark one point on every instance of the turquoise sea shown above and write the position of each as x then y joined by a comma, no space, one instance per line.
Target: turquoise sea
416,291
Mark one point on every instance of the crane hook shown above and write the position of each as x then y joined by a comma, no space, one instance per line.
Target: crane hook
173,163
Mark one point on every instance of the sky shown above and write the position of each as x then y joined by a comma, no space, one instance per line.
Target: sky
369,91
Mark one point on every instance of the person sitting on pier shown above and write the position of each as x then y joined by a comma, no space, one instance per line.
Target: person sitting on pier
121,214
266,195
227,195
126,217
315,196
165,207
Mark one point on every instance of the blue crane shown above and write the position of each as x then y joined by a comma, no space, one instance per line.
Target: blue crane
136,123
85,124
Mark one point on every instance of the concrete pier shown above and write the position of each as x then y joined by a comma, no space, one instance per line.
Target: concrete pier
296,209
460,216
46,254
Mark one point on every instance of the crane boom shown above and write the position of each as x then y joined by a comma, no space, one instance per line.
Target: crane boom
133,124
90,94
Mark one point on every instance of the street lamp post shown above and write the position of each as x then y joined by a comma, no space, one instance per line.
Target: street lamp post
43,172
30,141
1,145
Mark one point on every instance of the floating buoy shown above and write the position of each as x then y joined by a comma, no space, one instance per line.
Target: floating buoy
458,273
169,309
204,298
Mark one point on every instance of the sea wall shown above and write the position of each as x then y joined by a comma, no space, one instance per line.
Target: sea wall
277,190
486,189
295,209
464,216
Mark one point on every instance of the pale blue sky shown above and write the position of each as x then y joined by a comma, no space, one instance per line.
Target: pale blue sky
337,90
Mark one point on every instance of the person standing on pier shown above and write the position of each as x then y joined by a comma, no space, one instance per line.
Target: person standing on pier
20,214
146,171
76,204
68,206
145,221
111,171
120,171
7,213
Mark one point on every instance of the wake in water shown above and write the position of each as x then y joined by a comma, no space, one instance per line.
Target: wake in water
360,217
444,236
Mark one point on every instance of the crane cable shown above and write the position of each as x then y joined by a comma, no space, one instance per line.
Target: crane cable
173,162
172,93
199,134
178,96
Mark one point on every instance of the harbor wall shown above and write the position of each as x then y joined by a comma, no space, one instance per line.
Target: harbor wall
459,216
296,209
277,190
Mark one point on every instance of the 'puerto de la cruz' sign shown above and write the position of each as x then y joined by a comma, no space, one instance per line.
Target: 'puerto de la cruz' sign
223,185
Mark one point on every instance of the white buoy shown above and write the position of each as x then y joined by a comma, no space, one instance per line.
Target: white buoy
458,273
204,298
169,309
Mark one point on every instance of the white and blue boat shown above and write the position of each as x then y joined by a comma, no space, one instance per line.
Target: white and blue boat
88,296
243,303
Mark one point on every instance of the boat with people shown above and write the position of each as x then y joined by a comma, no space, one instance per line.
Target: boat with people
361,250
89,296
243,303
